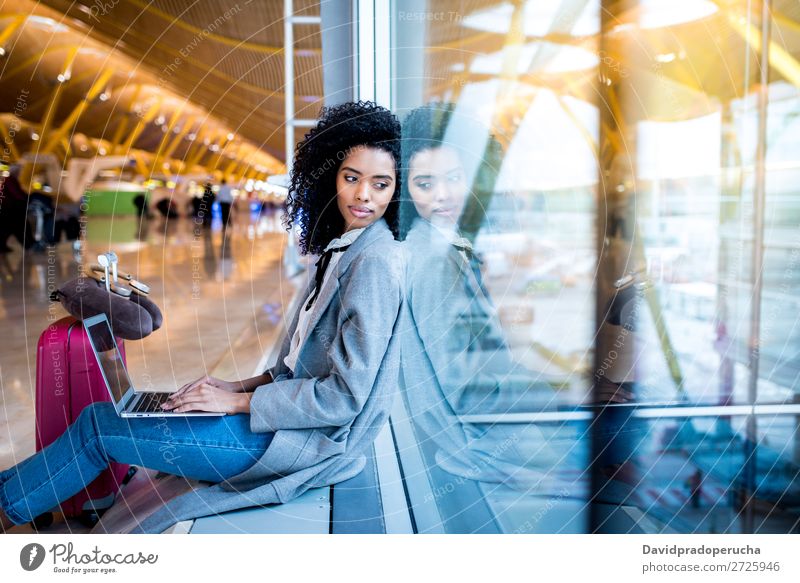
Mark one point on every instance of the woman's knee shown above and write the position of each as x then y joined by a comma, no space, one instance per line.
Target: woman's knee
96,423
95,416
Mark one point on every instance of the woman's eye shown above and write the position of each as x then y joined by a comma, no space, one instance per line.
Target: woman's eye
424,185
381,185
350,178
456,178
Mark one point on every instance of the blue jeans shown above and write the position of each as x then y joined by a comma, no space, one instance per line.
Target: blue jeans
210,449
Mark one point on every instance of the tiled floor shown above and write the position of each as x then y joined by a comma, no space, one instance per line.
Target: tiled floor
223,301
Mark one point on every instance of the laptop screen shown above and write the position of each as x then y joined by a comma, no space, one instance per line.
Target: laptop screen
105,347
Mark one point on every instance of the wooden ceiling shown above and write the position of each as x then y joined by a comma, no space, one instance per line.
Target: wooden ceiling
199,81
201,71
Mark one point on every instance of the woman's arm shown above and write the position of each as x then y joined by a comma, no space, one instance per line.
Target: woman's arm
251,384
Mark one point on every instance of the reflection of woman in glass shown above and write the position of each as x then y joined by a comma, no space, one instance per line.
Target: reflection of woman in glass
458,361
307,421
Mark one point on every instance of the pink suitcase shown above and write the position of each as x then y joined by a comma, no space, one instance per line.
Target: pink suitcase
68,379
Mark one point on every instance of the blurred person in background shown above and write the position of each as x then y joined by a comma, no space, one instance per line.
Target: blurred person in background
225,200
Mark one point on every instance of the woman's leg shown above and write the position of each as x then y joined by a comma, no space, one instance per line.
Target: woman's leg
202,448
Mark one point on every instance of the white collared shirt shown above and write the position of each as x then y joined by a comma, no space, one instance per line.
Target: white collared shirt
301,331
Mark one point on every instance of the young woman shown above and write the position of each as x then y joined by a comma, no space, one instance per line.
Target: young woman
307,421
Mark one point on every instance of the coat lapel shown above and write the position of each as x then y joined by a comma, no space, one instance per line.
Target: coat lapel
374,232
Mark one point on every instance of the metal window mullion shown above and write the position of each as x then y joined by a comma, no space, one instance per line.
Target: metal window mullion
759,201
382,61
288,78
289,20
373,43
365,45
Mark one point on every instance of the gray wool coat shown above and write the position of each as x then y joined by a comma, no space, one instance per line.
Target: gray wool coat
328,413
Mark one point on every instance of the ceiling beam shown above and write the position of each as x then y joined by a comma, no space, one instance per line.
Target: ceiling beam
176,115
12,28
173,145
148,116
35,59
193,157
55,97
781,59
72,119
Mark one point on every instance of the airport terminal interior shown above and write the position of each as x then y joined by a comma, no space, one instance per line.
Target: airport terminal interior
633,163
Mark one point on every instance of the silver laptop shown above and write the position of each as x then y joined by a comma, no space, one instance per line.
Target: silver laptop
127,400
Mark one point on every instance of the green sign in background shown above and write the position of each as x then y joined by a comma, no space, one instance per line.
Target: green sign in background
112,202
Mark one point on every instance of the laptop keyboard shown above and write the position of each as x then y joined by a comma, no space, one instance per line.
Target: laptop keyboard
151,402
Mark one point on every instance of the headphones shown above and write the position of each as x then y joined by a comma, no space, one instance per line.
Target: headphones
106,268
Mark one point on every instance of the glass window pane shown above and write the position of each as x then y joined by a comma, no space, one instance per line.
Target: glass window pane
601,272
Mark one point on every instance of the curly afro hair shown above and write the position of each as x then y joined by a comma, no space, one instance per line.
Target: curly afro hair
436,125
311,202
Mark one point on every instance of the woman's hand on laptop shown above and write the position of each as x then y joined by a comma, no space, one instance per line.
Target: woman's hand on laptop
231,387
244,386
206,396
208,391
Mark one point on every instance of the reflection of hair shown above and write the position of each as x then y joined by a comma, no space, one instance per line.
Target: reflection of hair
311,201
436,125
